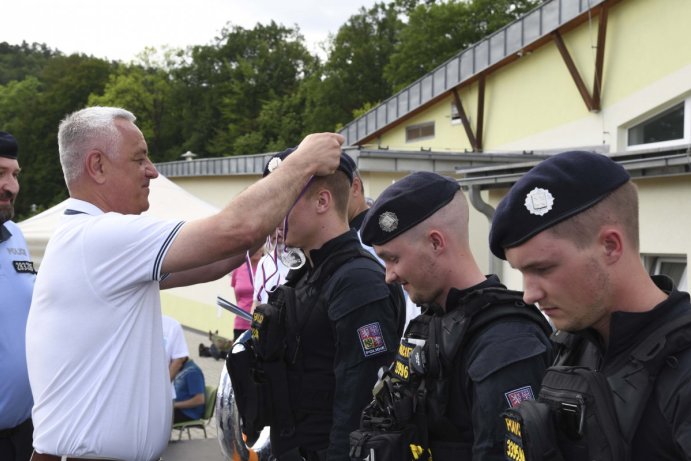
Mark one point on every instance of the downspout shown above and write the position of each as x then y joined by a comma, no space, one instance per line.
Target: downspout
474,193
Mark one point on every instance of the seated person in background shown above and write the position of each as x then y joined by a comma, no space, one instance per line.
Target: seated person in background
189,393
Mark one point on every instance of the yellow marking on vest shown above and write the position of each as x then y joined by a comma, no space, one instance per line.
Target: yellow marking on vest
401,370
514,451
404,351
513,426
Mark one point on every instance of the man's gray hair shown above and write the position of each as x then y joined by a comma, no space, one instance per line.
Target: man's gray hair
87,129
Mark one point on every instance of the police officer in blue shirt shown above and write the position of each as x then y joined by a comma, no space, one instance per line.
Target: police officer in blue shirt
17,277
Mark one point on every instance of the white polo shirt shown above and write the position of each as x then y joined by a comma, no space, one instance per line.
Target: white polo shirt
173,343
96,362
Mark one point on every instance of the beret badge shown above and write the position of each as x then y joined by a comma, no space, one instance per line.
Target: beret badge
388,221
539,201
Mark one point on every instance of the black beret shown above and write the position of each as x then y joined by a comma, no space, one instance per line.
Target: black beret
8,145
346,165
552,191
406,203
349,163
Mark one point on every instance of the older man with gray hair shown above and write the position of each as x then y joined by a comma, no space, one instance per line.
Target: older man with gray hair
94,344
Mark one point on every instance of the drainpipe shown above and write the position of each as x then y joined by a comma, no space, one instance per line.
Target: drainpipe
495,264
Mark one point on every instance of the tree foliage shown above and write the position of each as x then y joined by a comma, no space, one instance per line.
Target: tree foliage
438,31
251,91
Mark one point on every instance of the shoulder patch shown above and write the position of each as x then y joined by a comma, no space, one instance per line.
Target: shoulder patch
371,339
516,396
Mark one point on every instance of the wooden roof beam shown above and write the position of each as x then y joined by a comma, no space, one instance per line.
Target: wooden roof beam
592,102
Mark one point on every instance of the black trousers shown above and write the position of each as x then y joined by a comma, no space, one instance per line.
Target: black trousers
16,443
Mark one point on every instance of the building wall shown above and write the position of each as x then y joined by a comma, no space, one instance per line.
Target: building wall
664,220
533,103
217,190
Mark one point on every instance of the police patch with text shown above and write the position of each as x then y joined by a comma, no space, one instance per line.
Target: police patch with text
24,267
371,339
401,368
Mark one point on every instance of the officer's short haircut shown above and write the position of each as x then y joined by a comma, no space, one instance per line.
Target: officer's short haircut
339,186
619,207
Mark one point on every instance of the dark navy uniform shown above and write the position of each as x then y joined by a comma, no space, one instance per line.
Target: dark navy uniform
664,431
502,365
337,338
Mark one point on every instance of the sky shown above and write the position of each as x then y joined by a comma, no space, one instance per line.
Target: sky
121,29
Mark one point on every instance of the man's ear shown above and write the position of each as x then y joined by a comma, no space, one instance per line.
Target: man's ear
612,243
95,165
436,240
324,200
356,187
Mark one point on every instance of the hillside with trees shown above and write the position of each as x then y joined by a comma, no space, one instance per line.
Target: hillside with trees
250,91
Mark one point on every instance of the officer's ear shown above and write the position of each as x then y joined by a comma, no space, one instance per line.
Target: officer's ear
436,240
324,200
611,241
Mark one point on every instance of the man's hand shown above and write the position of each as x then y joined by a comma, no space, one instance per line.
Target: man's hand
319,153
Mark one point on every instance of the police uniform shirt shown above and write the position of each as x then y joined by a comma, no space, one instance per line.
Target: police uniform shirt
17,278
95,351
501,366
664,431
342,349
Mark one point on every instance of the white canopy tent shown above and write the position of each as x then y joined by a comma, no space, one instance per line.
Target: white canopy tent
193,306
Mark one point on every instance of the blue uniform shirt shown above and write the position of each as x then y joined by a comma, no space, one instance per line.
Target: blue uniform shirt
17,278
188,383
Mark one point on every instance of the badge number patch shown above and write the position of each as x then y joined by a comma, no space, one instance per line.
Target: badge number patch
516,396
371,339
24,267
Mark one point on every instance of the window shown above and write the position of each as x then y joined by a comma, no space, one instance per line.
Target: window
455,116
666,128
674,267
418,132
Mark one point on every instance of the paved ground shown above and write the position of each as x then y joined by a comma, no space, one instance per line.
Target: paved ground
198,448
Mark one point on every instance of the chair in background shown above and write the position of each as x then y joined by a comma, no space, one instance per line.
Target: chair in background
209,407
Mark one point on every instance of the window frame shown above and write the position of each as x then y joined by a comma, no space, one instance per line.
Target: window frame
420,127
686,139
653,263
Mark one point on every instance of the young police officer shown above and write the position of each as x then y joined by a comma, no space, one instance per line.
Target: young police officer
570,225
419,227
340,324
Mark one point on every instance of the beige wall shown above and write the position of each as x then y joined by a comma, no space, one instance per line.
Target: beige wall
195,307
216,190
533,103
665,220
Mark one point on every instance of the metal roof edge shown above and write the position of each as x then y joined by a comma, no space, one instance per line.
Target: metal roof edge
509,41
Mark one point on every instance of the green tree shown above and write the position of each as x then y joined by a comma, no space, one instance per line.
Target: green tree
145,92
20,101
32,109
353,73
438,31
20,61
225,86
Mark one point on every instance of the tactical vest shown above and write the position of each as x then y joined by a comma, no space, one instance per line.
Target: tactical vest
414,389
583,414
262,368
